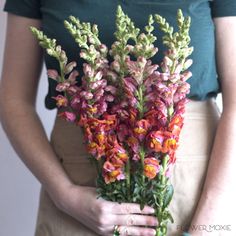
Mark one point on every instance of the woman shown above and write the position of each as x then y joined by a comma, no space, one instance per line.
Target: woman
203,176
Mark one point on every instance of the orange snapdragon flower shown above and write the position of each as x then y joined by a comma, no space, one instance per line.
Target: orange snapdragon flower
151,167
170,144
96,150
176,124
111,173
133,143
141,129
117,152
61,101
162,141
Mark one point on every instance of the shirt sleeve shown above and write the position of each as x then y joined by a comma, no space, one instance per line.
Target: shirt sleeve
26,8
221,8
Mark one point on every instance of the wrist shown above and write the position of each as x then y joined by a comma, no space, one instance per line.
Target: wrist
70,195
59,190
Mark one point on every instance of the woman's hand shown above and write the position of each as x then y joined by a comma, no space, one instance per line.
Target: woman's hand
101,216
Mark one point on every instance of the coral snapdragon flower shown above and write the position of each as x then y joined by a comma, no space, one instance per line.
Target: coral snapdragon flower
62,101
176,124
161,141
151,167
111,173
141,129
117,152
96,150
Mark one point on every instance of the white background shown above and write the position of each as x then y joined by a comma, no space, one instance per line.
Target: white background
19,189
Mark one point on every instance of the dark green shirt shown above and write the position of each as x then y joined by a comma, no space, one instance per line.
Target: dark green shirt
204,82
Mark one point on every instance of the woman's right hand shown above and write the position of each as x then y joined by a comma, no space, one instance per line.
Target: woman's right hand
102,216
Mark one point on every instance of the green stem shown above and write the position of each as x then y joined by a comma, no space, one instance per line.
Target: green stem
161,228
164,165
62,72
141,102
123,67
142,156
158,232
170,112
128,179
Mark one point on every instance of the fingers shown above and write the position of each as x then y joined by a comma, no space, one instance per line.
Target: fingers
130,208
135,231
134,220
130,218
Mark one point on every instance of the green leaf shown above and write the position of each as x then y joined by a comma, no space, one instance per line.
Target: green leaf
142,205
168,195
169,216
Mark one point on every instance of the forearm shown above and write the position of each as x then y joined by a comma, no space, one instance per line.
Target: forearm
217,199
221,177
26,133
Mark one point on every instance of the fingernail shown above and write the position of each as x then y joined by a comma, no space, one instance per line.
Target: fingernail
153,232
156,222
148,210
152,211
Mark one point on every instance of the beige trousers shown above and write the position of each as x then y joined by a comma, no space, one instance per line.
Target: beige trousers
188,175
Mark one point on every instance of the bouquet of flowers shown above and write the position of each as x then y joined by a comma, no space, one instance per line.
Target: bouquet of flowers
131,110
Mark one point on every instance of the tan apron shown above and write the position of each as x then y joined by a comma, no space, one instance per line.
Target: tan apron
188,175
